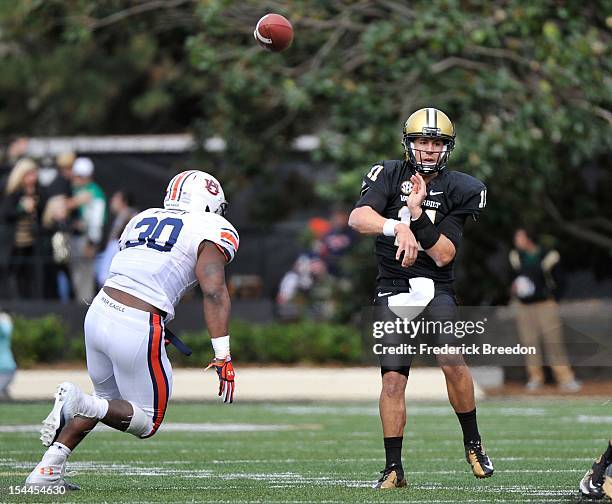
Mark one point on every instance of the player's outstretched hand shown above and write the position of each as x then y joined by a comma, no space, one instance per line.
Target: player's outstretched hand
417,195
227,384
406,244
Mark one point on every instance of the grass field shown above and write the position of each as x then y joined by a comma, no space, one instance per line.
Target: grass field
321,453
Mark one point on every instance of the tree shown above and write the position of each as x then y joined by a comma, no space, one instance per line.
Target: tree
83,67
526,83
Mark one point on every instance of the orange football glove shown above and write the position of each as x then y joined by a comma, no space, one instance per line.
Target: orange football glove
227,385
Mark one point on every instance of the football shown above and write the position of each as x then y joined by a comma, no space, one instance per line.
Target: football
274,32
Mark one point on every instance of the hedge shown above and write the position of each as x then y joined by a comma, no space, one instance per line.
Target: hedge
43,340
47,340
303,342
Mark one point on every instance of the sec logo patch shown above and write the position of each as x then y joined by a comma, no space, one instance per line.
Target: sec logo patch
406,187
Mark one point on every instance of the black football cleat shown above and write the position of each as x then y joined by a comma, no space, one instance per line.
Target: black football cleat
392,477
592,484
476,456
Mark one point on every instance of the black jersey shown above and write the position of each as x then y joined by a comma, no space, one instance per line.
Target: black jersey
452,196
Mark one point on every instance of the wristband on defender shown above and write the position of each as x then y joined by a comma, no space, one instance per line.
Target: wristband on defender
221,346
424,231
389,227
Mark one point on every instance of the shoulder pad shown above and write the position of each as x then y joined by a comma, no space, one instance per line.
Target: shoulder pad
220,231
468,194
379,170
464,183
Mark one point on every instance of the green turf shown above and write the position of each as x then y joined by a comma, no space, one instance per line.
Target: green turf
326,453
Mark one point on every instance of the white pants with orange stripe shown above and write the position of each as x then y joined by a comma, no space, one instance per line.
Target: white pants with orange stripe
126,357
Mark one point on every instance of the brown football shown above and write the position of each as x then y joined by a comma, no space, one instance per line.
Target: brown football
274,32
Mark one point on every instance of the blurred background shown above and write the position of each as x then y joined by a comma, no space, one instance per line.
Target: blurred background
101,103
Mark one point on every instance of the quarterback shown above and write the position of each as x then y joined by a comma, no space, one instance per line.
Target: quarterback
163,252
417,208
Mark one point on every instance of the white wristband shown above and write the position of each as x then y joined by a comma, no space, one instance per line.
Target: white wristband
221,346
389,227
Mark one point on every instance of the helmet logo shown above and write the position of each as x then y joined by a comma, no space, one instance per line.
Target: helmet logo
431,131
406,187
212,187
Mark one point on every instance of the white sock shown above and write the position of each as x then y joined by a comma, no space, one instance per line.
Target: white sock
61,448
93,407
56,454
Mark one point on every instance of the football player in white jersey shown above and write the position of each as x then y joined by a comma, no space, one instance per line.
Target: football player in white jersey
163,252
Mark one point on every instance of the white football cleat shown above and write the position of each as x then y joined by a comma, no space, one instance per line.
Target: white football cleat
589,488
591,485
64,409
44,476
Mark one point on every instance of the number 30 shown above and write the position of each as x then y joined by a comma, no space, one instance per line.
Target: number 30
153,231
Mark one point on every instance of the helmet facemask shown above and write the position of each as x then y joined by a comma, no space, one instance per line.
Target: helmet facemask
411,154
220,210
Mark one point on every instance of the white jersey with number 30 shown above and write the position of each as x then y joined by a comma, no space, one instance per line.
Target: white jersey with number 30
159,250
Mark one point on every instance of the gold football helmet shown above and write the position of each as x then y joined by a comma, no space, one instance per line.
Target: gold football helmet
431,123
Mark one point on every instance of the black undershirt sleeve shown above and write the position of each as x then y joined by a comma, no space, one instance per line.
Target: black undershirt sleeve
452,228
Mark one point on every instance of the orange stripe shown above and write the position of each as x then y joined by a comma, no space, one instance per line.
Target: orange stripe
230,237
162,389
177,183
172,186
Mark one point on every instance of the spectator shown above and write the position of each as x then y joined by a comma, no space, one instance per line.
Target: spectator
15,150
318,227
122,210
90,202
122,207
298,279
296,284
305,289
20,213
337,241
57,234
62,183
536,282
7,362
311,287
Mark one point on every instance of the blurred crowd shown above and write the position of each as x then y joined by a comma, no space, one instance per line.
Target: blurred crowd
56,235
314,285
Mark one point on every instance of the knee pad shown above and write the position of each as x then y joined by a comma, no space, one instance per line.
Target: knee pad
141,424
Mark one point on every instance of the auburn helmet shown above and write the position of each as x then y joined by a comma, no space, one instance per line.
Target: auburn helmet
430,123
195,191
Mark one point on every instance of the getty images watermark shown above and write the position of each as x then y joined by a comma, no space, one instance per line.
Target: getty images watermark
443,338
485,335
